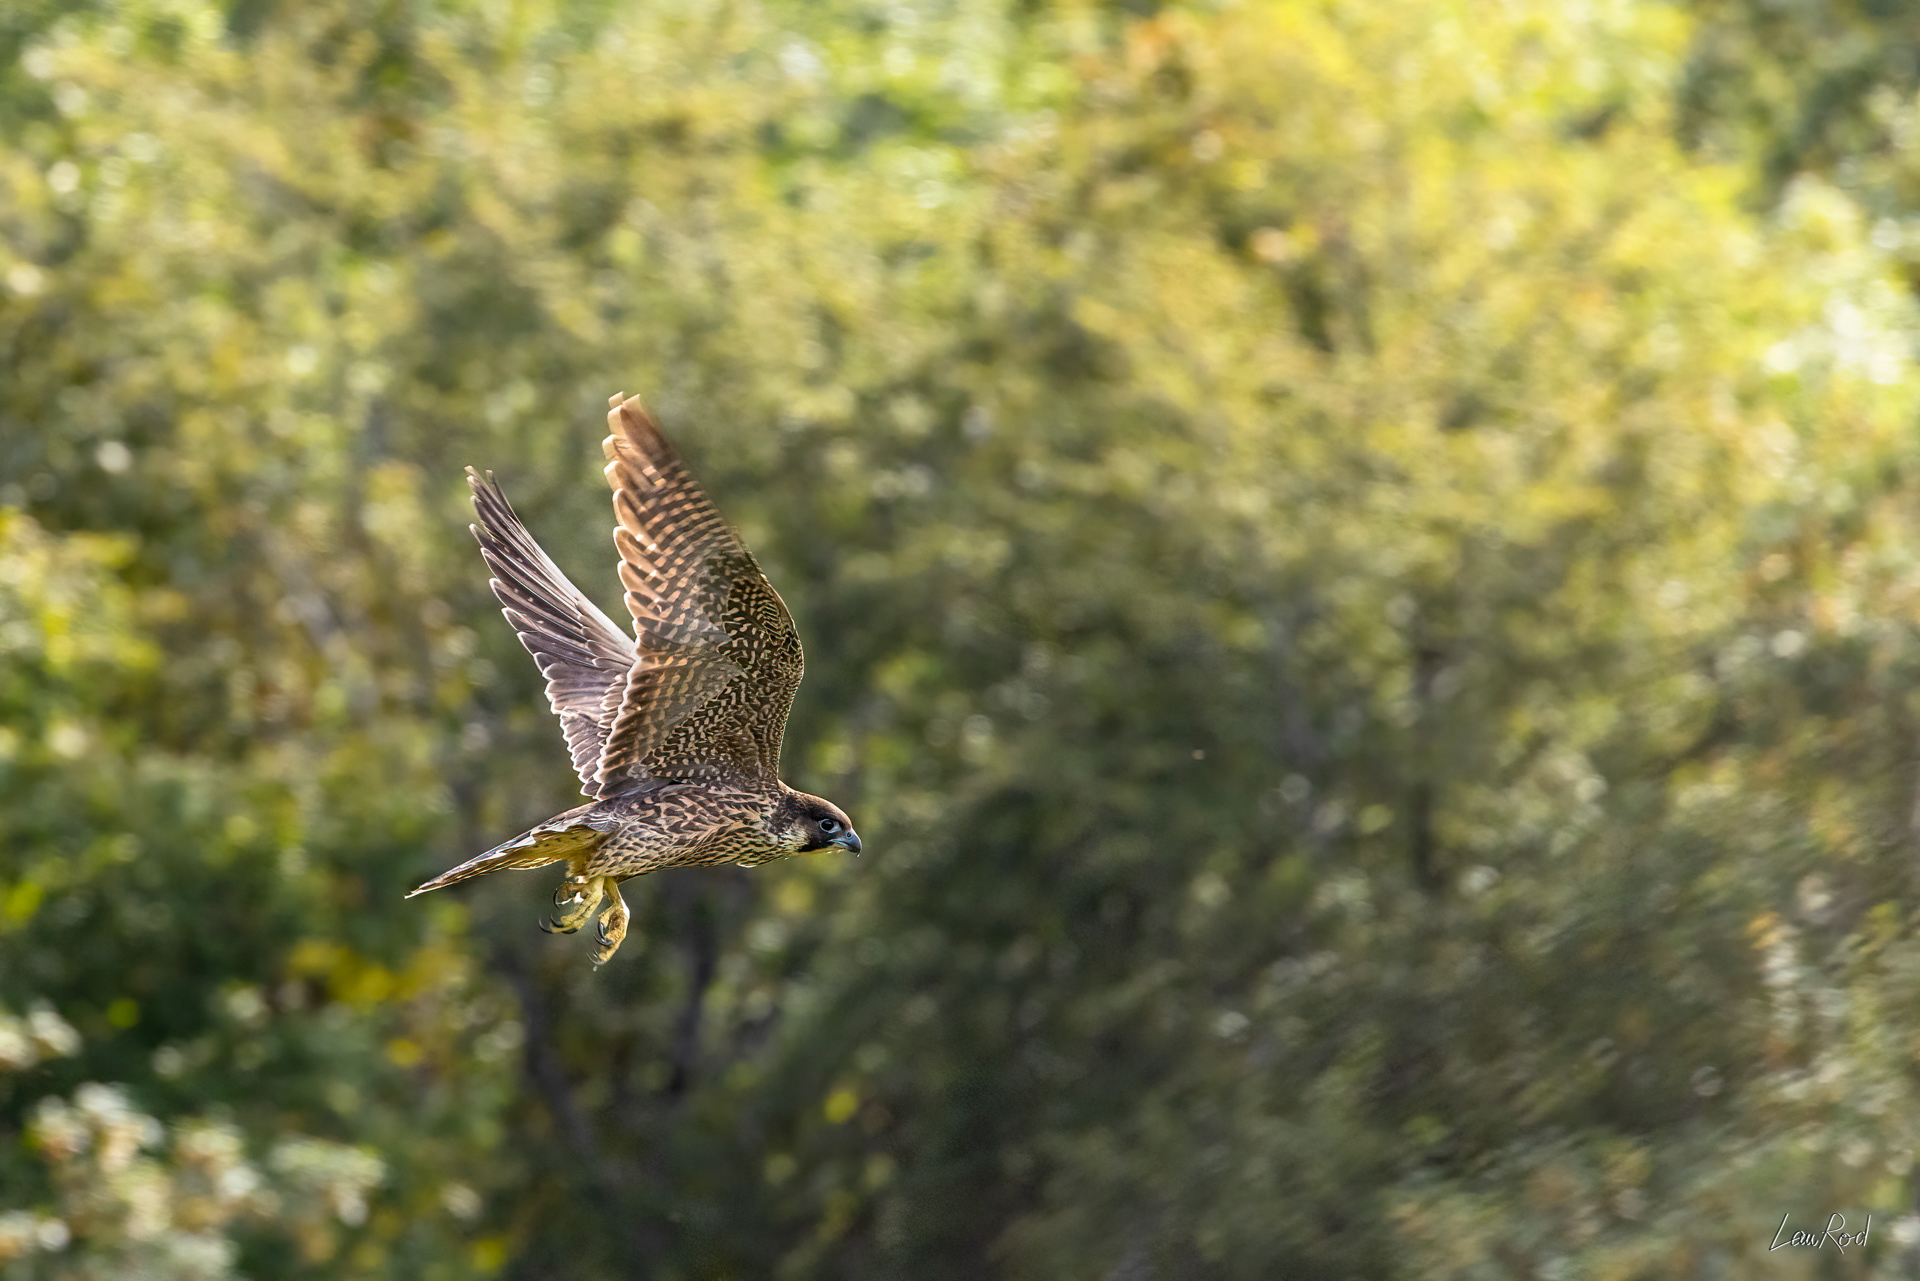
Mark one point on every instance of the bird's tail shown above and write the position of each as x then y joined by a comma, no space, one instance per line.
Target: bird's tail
560,838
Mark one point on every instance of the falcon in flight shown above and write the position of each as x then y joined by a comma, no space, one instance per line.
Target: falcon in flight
675,732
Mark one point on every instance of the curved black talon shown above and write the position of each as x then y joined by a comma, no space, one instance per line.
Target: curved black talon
550,926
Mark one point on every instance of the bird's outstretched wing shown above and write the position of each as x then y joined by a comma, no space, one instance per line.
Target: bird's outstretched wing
583,654
719,659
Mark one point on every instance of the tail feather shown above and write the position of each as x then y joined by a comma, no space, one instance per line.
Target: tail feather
554,841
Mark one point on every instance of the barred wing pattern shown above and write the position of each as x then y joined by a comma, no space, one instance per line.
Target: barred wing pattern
719,658
582,653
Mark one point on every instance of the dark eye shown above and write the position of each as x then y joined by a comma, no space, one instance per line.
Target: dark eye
829,825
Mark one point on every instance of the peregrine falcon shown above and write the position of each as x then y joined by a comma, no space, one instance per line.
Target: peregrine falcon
675,733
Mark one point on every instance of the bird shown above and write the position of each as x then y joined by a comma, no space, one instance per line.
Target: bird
674,732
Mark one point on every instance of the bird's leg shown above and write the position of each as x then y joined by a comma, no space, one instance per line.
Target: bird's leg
574,902
613,923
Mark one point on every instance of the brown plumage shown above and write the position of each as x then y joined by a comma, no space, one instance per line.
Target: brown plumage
676,738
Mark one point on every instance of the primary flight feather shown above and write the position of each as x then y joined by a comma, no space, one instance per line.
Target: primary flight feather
675,732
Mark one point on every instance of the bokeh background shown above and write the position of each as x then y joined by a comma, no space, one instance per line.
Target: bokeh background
1360,562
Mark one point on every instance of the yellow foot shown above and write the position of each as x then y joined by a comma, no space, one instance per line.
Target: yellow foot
574,902
613,925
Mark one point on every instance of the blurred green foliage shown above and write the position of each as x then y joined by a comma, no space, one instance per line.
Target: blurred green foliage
1358,572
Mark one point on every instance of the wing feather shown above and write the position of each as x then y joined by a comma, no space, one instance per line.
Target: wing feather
719,659
583,654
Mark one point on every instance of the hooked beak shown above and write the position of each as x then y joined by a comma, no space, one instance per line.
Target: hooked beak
848,840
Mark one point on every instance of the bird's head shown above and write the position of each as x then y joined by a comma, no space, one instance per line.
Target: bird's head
808,823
